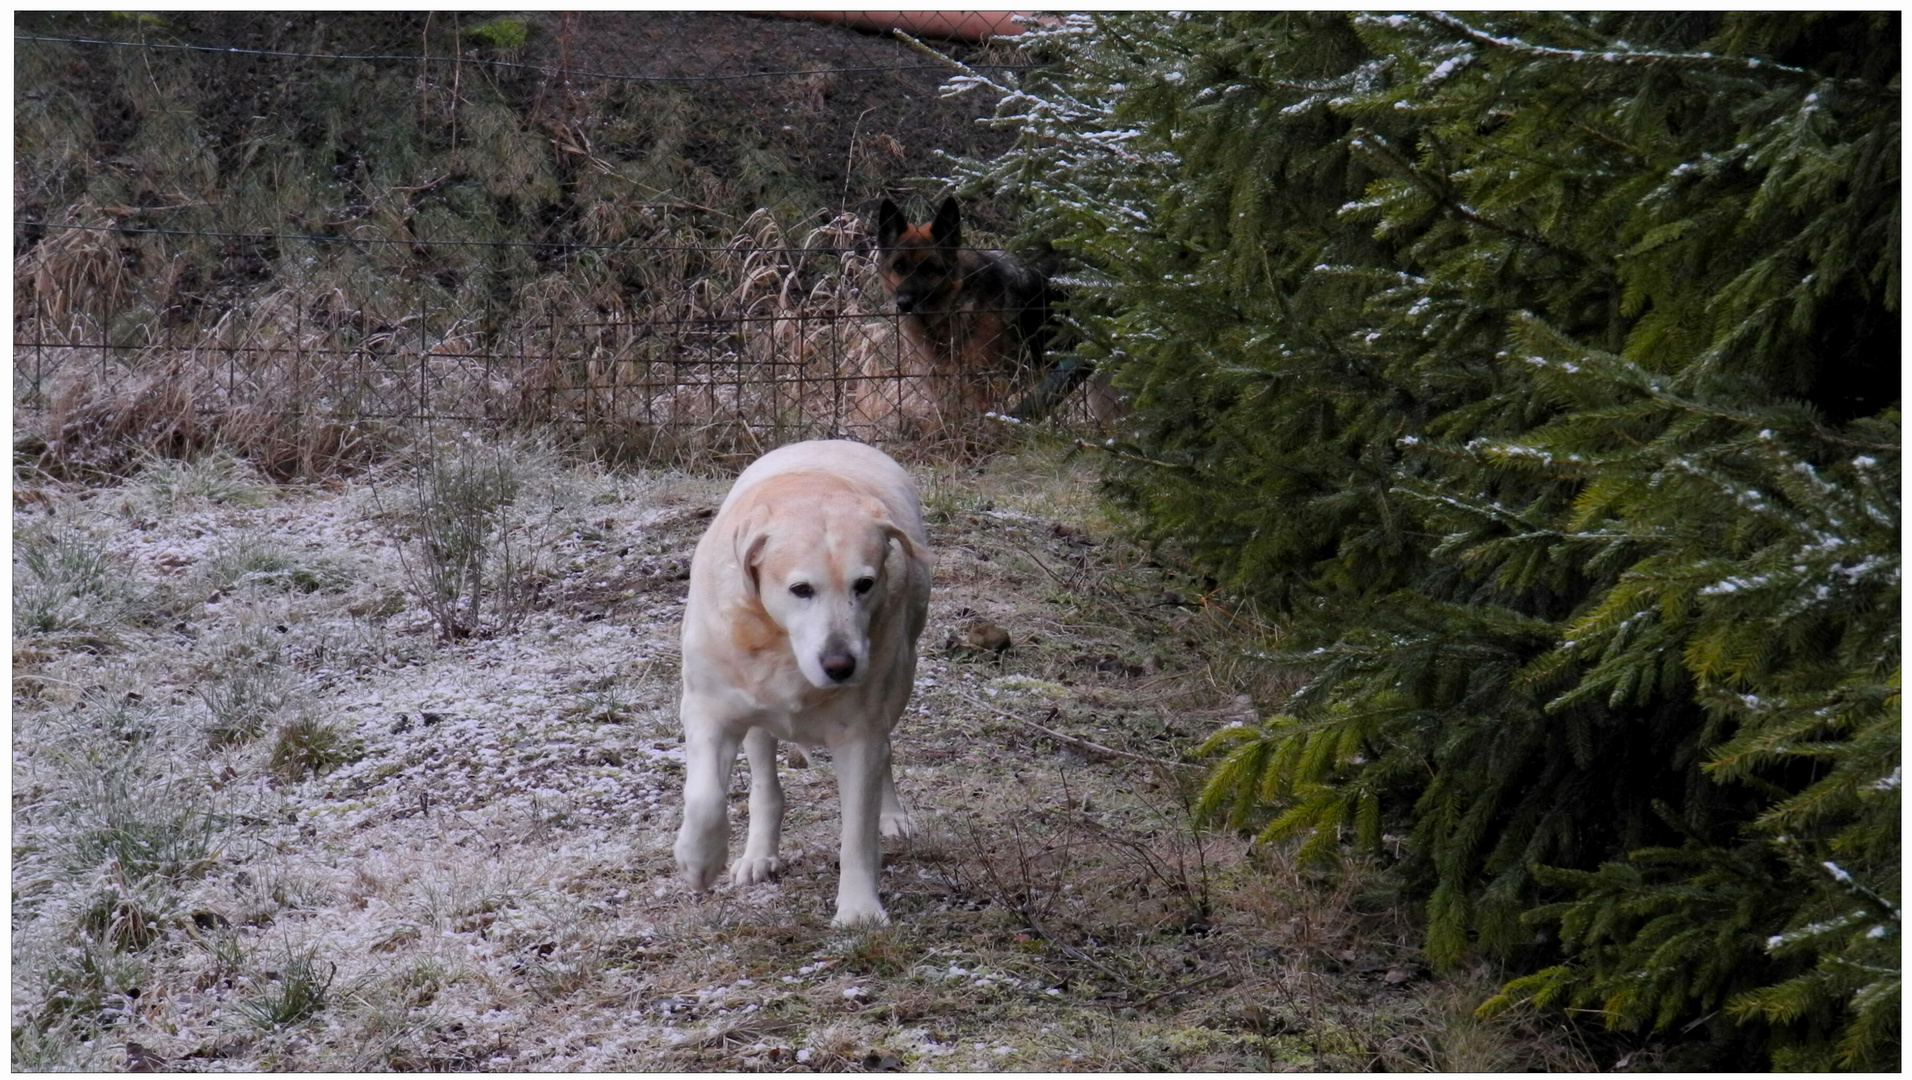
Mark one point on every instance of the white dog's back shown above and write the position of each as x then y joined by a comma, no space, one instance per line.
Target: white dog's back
854,462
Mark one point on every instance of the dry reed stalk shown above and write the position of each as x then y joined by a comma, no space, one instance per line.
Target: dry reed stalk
97,426
77,271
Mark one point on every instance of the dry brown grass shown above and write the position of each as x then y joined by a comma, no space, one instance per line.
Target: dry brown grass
105,423
730,348
80,268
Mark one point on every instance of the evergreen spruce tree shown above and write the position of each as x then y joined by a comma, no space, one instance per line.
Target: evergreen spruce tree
1541,370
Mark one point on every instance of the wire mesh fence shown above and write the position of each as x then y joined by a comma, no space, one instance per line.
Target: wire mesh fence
158,316
769,343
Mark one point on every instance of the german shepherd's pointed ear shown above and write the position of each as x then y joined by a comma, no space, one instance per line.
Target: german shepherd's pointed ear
947,229
890,224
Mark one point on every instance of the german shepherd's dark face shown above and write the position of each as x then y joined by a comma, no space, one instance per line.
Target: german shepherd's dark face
921,264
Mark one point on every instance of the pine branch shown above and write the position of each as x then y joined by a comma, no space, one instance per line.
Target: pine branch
1630,57
1366,140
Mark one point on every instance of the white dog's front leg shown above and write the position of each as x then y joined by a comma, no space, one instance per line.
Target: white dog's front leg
760,862
704,839
896,821
861,765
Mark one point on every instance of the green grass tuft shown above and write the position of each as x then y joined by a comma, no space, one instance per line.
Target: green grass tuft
306,746
69,587
296,992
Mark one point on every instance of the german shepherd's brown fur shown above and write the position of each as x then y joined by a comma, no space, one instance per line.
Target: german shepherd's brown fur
975,322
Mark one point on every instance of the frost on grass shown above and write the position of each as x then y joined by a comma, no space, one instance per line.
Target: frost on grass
267,816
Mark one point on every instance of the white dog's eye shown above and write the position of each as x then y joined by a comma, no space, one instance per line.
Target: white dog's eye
802,590
864,585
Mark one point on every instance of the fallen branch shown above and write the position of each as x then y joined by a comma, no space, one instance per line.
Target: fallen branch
1080,743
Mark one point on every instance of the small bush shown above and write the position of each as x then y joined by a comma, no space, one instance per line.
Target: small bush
84,990
880,952
213,478
254,562
123,917
142,830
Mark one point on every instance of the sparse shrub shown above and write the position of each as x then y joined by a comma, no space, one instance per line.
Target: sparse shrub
83,990
608,699
248,561
142,830
105,427
124,717
556,971
126,918
224,950
456,548
836,1048
879,952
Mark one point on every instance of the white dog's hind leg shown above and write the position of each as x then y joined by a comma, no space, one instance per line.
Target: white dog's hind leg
704,839
861,765
760,862
896,821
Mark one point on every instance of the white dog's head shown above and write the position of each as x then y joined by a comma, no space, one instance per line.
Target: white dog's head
821,575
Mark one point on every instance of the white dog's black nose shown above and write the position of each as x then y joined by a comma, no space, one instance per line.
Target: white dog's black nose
839,666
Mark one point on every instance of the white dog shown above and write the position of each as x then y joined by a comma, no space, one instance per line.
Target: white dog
807,595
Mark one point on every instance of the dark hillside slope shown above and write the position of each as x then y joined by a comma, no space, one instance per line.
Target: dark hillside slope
750,111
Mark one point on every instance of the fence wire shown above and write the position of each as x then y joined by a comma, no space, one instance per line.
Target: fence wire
666,324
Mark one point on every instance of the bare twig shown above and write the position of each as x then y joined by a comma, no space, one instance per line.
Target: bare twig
1184,988
1084,444
1080,743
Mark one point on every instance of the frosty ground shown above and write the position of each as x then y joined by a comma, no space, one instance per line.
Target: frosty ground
267,817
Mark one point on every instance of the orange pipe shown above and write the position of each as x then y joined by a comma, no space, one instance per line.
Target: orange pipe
961,25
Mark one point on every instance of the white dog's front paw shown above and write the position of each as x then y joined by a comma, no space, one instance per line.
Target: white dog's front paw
700,859
751,869
866,913
898,825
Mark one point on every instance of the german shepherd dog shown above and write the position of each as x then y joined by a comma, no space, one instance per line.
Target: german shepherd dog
978,320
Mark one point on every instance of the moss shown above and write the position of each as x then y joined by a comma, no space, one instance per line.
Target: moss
503,33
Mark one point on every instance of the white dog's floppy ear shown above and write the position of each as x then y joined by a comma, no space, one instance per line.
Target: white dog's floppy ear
880,517
890,530
750,541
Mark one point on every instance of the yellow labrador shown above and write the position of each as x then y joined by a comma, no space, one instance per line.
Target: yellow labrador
807,595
